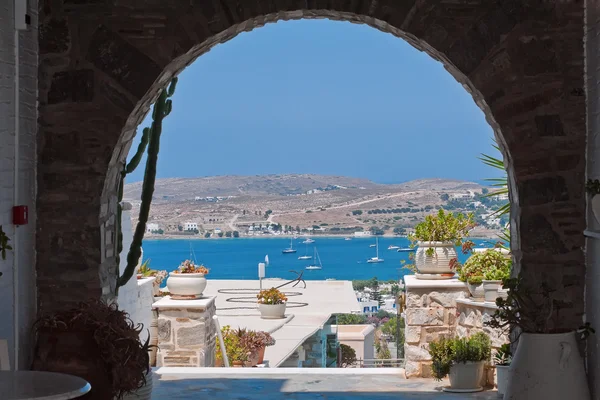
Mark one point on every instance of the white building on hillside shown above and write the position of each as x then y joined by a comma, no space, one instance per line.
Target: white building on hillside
190,226
151,227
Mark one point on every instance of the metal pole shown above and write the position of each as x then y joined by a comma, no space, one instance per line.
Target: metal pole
221,343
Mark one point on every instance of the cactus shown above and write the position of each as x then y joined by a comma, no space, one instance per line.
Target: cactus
151,141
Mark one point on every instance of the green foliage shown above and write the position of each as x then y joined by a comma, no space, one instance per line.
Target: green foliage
500,183
348,356
351,319
357,212
4,239
445,197
490,265
207,235
443,227
220,234
236,234
447,352
503,355
592,186
392,329
162,108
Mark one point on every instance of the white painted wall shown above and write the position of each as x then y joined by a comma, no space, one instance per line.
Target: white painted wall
136,297
23,238
360,337
593,164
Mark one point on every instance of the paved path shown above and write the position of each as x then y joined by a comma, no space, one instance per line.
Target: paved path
307,386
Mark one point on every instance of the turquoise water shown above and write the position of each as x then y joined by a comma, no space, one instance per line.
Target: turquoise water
239,258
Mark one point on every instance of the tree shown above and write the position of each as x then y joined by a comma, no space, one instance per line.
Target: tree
236,234
220,234
180,228
390,328
348,356
207,235
298,228
228,234
357,212
484,191
351,319
445,197
160,231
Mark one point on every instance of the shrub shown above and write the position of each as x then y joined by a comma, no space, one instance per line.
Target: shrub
490,265
348,356
447,352
443,227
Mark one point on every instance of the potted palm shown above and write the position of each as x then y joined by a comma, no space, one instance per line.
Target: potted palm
99,343
462,359
187,282
502,361
271,304
436,239
547,363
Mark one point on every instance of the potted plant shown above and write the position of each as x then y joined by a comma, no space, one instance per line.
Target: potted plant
436,239
484,271
237,352
266,340
271,304
547,363
462,359
159,276
593,188
99,343
187,282
502,361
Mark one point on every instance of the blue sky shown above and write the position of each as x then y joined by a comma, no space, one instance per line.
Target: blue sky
318,96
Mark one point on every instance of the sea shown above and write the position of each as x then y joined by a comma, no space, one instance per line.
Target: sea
238,258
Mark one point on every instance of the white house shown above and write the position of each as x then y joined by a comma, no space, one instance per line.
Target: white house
190,226
217,230
152,227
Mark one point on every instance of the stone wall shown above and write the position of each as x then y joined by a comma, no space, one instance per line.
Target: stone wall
23,256
436,308
186,333
592,309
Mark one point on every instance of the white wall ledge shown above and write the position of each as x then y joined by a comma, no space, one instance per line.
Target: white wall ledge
481,304
200,304
411,282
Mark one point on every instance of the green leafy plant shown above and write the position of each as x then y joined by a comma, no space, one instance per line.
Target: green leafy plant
593,186
446,352
489,265
4,239
501,184
442,227
503,355
235,349
271,296
348,356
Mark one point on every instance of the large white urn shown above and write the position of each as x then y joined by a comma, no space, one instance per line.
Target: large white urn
186,286
436,262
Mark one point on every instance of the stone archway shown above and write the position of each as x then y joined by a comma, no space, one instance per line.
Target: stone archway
102,65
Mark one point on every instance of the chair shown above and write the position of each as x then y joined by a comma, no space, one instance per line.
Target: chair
4,360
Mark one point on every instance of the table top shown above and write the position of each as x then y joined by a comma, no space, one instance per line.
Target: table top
41,385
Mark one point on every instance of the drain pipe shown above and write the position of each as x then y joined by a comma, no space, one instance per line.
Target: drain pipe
221,343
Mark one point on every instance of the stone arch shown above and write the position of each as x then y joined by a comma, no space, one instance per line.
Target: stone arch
102,65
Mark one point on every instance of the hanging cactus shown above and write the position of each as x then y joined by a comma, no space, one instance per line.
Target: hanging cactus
151,141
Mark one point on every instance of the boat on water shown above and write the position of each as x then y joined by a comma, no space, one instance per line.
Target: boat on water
376,259
405,250
318,265
392,247
291,249
305,256
372,245
348,238
308,241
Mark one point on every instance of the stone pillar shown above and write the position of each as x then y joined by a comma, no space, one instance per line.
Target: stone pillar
430,313
186,332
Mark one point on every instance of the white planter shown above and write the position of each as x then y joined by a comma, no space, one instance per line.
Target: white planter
466,376
476,291
186,286
439,262
549,367
490,289
143,393
503,293
271,311
501,379
595,203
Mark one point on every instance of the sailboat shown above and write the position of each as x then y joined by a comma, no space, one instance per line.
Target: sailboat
291,249
308,241
305,256
392,247
376,259
315,266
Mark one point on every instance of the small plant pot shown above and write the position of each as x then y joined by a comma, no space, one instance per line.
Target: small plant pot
186,286
261,355
466,377
501,379
272,311
439,262
238,364
490,290
476,290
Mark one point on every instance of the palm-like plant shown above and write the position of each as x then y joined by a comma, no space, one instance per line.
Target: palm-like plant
501,185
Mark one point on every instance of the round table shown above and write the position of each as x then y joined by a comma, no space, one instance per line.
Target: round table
41,385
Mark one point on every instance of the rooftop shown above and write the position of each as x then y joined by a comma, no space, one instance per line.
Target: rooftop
299,384
308,309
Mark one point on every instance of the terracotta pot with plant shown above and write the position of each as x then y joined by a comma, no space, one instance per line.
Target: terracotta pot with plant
547,363
187,282
502,361
236,349
271,304
484,271
99,343
436,239
462,359
266,340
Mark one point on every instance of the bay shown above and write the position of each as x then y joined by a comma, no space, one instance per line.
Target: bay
238,258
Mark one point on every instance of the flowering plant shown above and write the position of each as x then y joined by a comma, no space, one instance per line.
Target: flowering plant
146,272
188,267
265,338
271,296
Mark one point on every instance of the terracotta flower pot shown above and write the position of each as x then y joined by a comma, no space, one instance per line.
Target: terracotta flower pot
261,355
238,364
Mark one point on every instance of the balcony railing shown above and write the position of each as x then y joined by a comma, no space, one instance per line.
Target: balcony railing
379,363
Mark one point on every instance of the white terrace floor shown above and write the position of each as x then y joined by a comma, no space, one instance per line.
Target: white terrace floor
298,384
